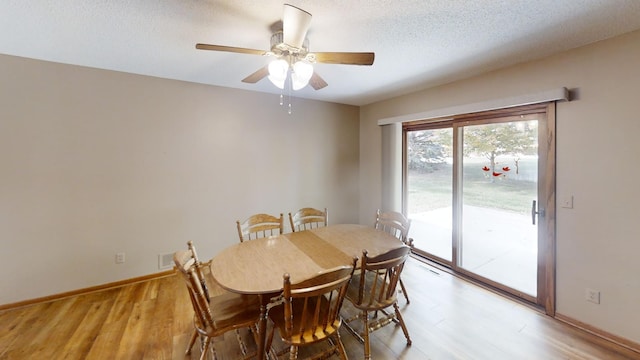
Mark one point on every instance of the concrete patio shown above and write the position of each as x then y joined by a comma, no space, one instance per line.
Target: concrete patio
498,245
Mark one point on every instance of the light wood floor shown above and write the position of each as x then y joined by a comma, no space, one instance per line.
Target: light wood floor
448,318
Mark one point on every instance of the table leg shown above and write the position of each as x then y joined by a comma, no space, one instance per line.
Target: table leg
262,326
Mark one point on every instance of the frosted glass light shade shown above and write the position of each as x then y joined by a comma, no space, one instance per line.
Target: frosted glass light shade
302,72
278,70
277,82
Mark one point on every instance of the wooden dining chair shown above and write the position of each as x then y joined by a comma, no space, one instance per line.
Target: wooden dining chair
373,290
215,312
398,225
260,225
308,218
310,313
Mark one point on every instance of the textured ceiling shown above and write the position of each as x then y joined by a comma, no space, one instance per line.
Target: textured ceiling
418,43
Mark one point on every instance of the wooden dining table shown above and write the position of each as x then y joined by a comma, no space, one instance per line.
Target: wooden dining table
257,266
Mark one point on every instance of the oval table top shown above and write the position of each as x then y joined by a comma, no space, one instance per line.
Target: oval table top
257,266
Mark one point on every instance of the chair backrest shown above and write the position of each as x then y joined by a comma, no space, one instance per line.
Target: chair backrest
379,277
189,267
260,225
317,302
394,223
308,218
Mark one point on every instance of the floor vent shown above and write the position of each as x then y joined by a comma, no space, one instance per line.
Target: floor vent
165,261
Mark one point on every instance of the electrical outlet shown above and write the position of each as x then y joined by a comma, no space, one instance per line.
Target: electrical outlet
592,295
120,258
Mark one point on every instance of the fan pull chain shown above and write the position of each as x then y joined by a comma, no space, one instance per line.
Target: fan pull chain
289,92
288,86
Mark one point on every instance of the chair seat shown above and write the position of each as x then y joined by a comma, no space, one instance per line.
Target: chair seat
231,310
312,332
369,301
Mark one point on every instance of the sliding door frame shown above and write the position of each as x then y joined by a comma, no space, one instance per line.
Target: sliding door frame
545,298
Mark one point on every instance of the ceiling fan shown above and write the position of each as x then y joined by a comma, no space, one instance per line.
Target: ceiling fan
293,61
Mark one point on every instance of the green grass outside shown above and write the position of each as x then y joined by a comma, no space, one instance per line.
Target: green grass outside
430,191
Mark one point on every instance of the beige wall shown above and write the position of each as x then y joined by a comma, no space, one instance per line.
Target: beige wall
598,241
97,162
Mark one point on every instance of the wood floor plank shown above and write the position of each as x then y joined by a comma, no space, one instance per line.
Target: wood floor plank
132,343
106,343
182,319
80,342
160,330
14,323
48,330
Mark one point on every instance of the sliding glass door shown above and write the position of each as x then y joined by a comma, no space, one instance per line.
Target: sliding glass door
498,240
475,187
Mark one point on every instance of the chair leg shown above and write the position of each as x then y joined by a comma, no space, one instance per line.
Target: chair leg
205,348
404,291
293,352
340,347
347,324
271,352
401,320
243,347
365,335
192,342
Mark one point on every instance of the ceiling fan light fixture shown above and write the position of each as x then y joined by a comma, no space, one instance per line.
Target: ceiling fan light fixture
302,72
289,46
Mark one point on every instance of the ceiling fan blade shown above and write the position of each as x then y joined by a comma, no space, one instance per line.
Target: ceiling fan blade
317,82
230,49
345,58
295,23
257,76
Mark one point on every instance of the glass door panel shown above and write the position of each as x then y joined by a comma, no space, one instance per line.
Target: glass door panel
430,189
498,240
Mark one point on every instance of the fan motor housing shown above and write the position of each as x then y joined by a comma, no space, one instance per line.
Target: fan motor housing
279,48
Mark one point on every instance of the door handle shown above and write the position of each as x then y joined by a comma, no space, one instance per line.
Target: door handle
539,212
